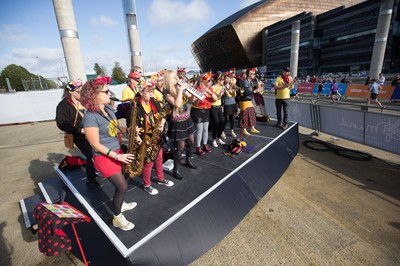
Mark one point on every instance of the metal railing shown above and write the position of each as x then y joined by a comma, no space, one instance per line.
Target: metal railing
348,121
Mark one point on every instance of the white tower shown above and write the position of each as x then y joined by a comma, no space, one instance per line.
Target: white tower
69,39
129,8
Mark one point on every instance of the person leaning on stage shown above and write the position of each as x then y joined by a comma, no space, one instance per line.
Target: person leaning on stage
247,117
149,116
283,85
180,127
101,129
217,117
200,113
69,115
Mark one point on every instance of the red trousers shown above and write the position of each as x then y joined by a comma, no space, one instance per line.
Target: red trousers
159,169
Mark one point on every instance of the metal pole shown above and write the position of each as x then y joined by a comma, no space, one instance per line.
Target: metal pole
129,8
382,30
69,38
294,51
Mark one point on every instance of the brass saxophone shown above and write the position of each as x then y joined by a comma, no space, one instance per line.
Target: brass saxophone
155,142
148,150
135,167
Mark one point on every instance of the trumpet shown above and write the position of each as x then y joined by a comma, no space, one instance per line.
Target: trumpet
260,86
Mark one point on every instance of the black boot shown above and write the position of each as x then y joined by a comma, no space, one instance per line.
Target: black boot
177,173
189,158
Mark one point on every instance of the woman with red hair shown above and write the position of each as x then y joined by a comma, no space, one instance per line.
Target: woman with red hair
101,129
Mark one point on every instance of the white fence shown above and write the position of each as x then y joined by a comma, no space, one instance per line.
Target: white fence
32,106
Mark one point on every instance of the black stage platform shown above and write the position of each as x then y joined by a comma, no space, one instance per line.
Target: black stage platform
182,222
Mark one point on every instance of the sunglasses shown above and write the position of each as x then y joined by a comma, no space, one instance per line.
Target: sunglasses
105,92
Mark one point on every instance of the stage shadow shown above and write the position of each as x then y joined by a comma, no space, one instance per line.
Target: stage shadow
373,174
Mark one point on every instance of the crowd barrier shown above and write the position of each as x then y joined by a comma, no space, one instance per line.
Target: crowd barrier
379,130
351,90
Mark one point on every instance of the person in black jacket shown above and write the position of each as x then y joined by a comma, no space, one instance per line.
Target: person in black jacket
69,115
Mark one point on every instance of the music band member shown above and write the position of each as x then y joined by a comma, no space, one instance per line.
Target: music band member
180,127
283,85
247,117
200,113
69,115
216,115
230,106
150,121
129,93
101,129
258,92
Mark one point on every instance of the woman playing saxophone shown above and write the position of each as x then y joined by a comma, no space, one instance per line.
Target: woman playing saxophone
150,122
101,128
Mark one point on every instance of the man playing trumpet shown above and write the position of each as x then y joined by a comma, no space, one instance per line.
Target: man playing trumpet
283,85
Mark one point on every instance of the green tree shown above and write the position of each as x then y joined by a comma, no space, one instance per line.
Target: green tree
99,70
118,73
15,74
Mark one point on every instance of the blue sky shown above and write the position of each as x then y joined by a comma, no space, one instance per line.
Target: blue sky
29,34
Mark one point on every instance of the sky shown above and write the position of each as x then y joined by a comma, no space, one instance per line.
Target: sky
29,35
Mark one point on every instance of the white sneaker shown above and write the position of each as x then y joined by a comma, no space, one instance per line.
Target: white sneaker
120,222
166,182
233,133
220,141
151,190
214,143
128,206
223,136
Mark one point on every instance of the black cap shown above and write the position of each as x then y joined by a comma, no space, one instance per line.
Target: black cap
286,69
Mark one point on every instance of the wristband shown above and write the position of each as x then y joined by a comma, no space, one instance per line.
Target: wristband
108,153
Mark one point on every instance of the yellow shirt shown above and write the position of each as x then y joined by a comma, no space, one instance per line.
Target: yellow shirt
128,94
217,90
282,93
158,96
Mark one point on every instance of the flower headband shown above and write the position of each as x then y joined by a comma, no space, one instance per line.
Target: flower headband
181,70
102,81
74,84
207,76
253,70
146,83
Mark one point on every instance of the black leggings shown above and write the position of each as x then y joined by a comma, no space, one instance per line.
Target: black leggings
180,147
231,119
217,117
121,186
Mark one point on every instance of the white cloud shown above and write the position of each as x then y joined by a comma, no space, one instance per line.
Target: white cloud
103,21
179,14
169,56
47,62
13,33
246,3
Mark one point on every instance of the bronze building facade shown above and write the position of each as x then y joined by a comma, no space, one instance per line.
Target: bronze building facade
259,35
